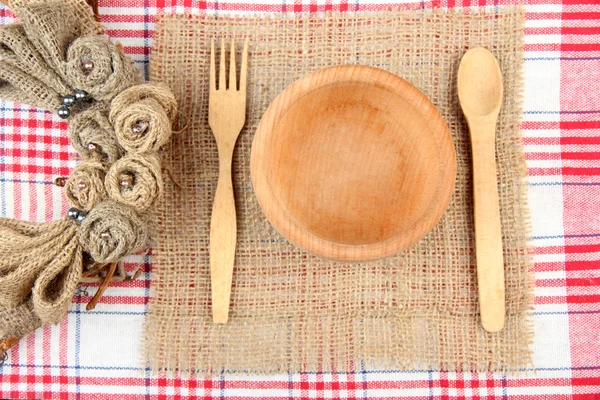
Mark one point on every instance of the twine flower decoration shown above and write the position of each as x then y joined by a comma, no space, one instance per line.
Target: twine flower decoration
58,58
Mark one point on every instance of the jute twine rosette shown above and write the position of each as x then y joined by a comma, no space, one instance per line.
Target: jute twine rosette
291,311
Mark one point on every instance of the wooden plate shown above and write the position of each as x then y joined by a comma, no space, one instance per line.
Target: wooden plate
353,163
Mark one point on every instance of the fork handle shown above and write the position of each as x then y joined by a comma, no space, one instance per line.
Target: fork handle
223,228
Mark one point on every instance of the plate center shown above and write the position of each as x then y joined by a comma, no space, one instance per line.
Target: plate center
352,163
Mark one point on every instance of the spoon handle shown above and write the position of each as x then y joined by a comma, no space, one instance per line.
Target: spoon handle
488,234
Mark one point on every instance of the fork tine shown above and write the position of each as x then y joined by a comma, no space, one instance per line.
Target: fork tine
244,70
232,68
222,68
213,75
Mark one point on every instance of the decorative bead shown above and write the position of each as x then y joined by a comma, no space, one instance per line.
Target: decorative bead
73,213
60,181
139,128
63,112
92,147
126,182
105,236
81,185
81,95
87,64
81,216
69,100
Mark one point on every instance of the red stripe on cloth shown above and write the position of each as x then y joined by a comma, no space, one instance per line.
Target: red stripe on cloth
542,156
579,140
583,155
538,125
580,46
30,340
580,171
576,2
552,283
34,169
582,265
556,171
550,300
17,137
584,248
576,30
549,250
592,298
549,266
583,281
32,153
113,299
581,15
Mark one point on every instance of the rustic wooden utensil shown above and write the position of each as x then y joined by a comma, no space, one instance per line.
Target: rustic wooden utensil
480,95
353,163
226,117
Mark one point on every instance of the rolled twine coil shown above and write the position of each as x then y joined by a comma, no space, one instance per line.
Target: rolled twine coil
142,117
93,136
85,186
112,70
112,231
135,180
150,90
142,126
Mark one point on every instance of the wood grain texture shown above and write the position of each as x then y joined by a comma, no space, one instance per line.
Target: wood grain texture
353,163
480,94
226,117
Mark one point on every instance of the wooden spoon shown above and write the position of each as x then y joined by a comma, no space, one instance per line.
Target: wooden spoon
480,95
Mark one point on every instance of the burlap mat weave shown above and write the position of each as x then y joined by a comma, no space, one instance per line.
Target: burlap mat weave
291,311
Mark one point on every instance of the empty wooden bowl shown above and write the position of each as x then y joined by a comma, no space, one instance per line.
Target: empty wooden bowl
353,163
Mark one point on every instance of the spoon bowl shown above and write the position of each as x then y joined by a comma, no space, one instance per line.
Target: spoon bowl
479,83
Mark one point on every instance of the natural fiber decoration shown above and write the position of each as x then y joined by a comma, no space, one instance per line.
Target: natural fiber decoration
82,10
153,119
85,186
16,85
149,90
144,176
56,284
93,136
149,105
56,59
112,70
39,270
18,321
291,311
16,49
51,26
28,249
127,232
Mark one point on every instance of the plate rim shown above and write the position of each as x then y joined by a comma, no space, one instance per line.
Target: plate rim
286,224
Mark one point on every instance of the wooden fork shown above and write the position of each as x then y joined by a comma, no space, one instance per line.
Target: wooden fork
226,117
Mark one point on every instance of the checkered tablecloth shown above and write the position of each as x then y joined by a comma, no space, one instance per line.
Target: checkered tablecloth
96,354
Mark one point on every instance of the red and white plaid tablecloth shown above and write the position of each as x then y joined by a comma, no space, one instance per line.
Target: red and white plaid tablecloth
96,354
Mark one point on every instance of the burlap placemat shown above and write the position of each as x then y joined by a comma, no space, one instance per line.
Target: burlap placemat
291,311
